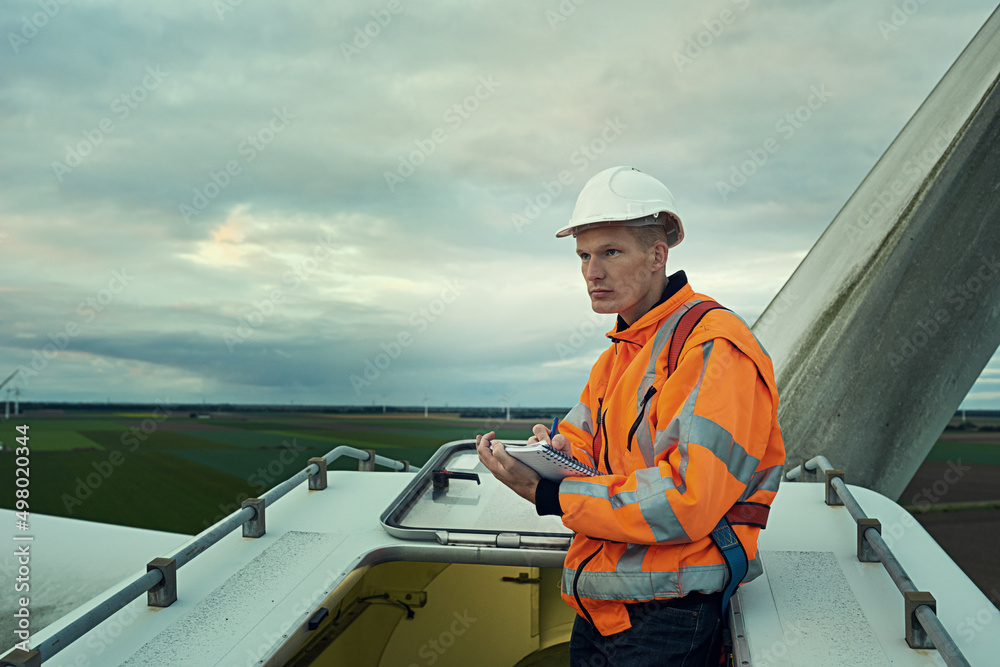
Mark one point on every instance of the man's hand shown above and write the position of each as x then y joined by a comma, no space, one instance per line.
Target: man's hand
560,442
520,478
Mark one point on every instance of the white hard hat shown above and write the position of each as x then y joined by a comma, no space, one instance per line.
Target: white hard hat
625,196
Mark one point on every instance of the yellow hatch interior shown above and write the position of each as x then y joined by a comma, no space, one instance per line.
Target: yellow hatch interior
407,614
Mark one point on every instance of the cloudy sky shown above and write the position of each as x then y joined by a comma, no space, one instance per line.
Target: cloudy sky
355,202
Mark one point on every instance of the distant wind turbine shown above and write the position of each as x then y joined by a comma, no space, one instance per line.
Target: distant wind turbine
6,405
426,403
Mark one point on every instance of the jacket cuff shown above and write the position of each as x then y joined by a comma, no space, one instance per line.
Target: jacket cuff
547,498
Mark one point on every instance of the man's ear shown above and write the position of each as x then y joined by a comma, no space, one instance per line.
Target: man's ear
659,256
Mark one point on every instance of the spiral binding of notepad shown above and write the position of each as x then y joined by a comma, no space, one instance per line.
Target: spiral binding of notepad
559,458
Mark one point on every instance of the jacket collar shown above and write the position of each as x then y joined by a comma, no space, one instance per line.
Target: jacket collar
677,292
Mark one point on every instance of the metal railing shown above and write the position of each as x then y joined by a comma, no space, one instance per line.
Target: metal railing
923,628
157,575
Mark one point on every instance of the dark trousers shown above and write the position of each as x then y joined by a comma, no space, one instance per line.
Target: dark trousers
683,632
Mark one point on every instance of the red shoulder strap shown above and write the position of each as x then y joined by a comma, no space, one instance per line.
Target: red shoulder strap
688,322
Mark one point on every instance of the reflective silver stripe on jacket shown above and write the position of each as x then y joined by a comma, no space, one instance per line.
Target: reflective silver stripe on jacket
763,480
581,418
630,584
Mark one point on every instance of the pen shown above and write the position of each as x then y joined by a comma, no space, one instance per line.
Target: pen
555,428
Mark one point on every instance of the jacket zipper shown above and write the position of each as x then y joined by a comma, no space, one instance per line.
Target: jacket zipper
604,430
597,436
638,417
576,578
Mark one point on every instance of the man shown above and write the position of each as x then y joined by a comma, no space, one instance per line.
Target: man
677,451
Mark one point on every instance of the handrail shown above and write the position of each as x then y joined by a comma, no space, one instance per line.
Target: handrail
142,583
927,616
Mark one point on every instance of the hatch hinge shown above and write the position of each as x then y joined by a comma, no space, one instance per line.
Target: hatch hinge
509,540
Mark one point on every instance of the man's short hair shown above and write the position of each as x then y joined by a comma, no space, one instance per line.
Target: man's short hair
647,235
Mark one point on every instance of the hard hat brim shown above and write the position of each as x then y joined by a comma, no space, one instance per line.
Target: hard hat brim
574,229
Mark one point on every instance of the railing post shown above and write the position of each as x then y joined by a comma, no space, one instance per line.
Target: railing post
254,526
369,465
866,554
406,466
916,635
832,497
163,594
19,658
317,482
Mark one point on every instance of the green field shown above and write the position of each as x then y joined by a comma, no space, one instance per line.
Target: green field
968,452
181,474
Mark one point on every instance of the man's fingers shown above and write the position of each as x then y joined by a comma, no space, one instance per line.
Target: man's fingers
500,452
561,442
483,443
541,432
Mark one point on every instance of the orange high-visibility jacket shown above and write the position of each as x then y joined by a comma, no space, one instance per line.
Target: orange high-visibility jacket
678,453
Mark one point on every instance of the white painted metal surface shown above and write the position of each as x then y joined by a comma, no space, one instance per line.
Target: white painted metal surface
800,613
71,561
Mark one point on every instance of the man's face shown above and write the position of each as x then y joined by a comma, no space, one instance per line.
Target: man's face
621,275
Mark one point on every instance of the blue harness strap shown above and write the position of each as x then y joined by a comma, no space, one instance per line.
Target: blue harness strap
735,556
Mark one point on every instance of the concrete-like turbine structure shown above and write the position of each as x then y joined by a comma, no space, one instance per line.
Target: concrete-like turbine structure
886,324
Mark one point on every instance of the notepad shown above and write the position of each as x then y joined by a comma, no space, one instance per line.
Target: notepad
548,462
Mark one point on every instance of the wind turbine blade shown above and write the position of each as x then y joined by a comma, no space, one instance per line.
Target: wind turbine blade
9,378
